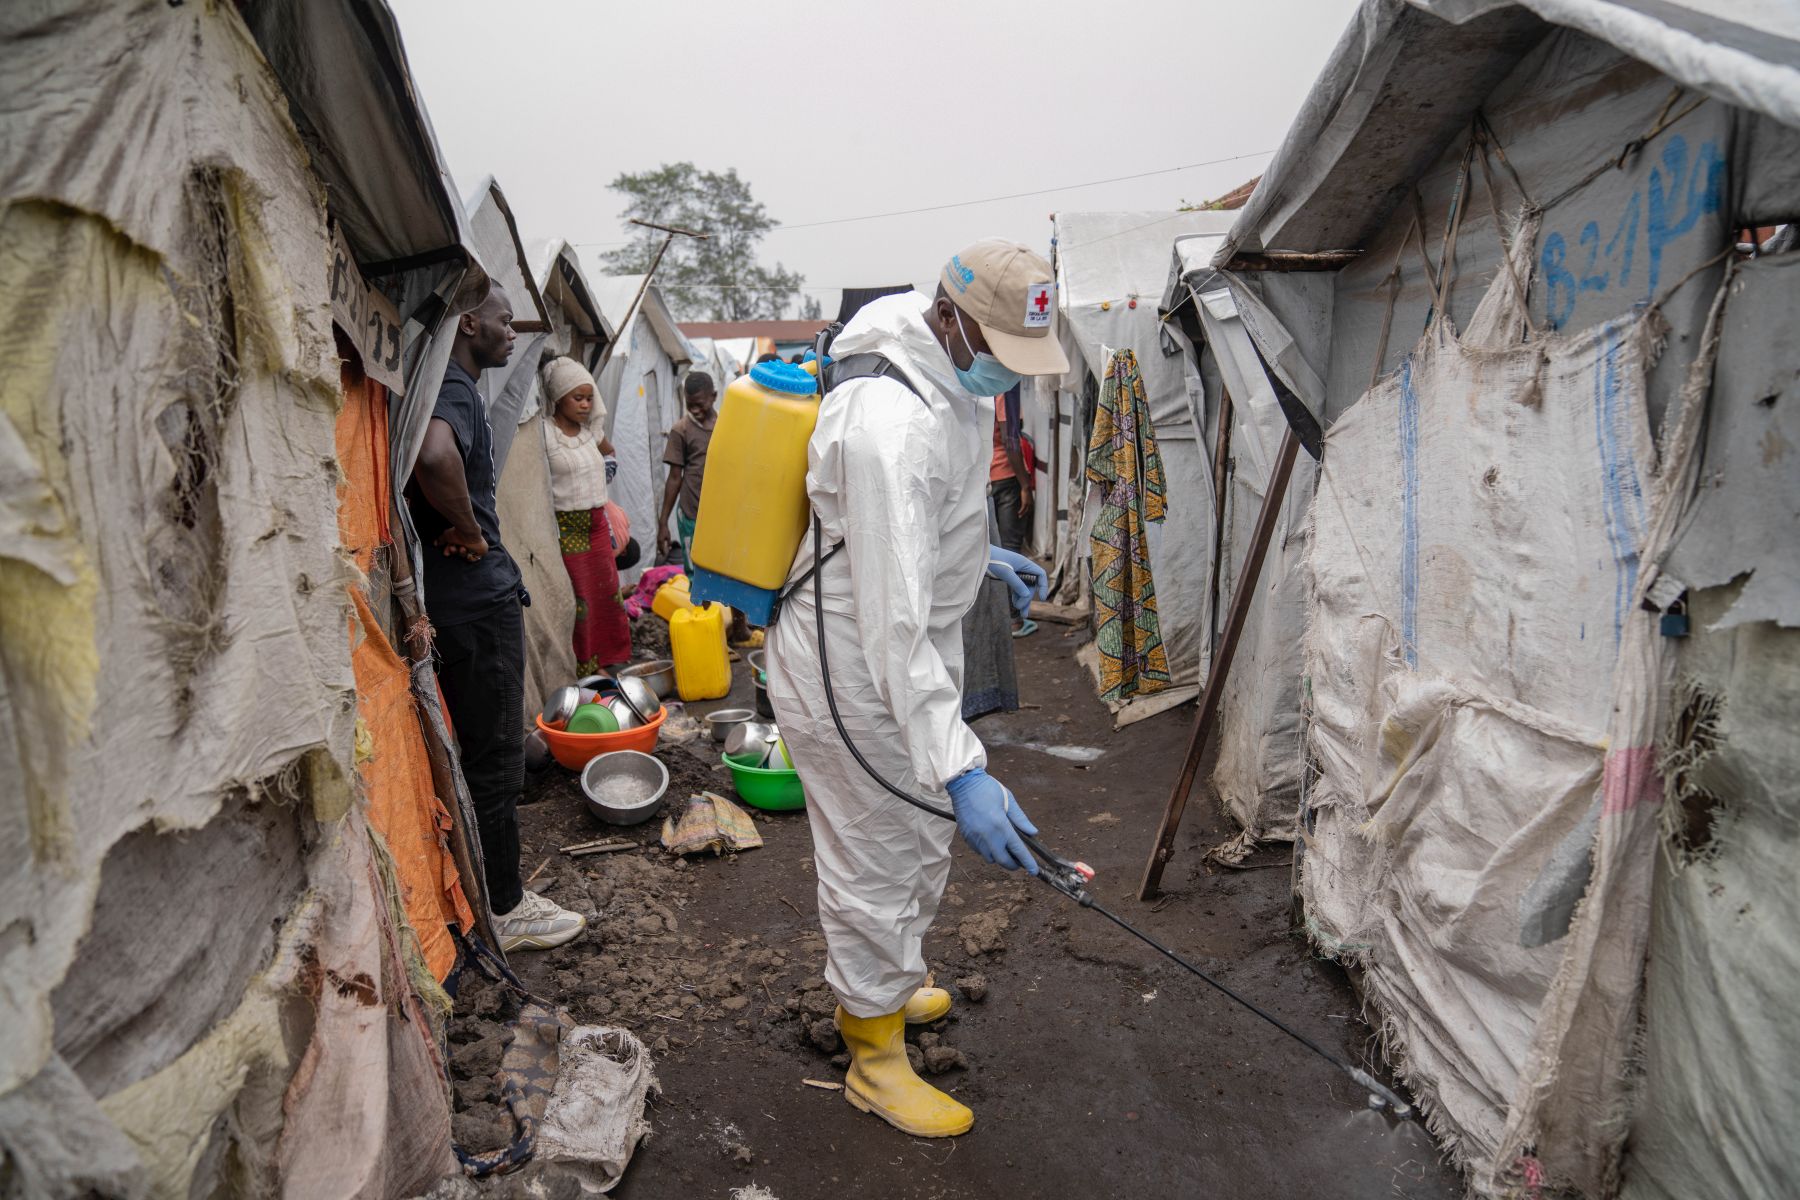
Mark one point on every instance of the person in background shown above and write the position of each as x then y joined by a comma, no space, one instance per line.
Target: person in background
475,599
1009,482
767,356
685,456
581,464
1010,487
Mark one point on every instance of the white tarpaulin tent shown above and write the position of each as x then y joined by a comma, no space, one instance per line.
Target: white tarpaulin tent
641,384
1257,772
1522,503
1111,272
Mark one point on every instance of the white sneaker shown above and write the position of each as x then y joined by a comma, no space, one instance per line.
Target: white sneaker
537,924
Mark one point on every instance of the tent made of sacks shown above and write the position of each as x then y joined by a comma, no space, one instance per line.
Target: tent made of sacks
234,862
1551,582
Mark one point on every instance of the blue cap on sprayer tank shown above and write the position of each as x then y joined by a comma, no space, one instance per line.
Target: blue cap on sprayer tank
787,378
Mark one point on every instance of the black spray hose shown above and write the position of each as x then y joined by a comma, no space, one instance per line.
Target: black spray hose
1066,882
825,672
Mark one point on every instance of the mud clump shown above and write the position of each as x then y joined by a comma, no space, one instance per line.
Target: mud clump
823,1033
939,1059
984,932
974,987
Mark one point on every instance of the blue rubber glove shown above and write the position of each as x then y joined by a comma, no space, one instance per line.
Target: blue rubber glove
990,819
1021,595
1034,576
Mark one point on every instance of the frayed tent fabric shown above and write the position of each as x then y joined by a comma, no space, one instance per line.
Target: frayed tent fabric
235,858
1551,592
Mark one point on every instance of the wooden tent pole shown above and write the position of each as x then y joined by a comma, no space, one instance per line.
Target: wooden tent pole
1221,664
1221,461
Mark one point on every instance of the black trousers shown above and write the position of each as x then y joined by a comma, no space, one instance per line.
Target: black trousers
481,668
1013,527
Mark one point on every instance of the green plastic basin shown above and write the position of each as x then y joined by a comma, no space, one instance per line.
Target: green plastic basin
771,791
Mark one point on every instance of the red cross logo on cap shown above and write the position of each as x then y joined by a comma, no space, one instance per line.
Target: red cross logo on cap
1041,301
1037,306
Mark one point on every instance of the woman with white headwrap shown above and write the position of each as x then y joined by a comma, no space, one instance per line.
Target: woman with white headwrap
581,463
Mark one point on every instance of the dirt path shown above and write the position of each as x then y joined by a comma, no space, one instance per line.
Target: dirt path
1093,1066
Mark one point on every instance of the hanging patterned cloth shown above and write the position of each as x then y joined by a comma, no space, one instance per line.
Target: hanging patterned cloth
1122,459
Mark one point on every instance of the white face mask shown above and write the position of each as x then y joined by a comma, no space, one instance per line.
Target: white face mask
985,374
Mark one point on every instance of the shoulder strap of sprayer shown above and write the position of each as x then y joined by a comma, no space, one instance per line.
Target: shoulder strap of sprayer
834,374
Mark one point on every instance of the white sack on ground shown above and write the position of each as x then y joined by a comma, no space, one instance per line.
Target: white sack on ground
596,1115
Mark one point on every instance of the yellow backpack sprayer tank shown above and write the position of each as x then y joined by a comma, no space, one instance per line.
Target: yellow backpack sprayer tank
753,506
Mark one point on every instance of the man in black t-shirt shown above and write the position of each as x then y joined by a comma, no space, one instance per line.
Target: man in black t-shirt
474,597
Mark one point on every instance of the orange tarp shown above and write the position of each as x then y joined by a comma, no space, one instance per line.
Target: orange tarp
391,759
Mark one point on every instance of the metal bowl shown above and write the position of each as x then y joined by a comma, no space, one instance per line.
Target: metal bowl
593,681
641,697
537,751
753,742
561,706
659,674
628,718
625,787
756,660
720,724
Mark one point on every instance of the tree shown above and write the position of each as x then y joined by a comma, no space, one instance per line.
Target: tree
718,279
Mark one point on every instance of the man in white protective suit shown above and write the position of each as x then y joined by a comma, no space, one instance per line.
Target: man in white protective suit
898,474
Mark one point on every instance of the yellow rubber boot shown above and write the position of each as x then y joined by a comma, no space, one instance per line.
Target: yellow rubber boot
928,1004
881,1081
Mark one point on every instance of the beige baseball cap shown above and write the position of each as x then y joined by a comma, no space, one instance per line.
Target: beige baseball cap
1011,293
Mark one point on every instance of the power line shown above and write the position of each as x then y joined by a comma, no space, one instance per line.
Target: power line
1067,187
907,212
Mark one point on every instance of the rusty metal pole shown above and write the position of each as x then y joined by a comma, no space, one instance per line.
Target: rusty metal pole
1221,665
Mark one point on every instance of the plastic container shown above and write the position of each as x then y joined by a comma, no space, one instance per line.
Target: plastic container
753,506
576,750
592,718
702,661
671,597
769,790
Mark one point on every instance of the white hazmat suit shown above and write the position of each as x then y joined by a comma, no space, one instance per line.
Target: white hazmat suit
901,480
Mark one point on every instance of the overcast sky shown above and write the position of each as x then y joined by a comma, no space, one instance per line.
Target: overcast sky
914,103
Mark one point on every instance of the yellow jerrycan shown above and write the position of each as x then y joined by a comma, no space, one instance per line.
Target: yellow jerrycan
753,506
670,597
697,644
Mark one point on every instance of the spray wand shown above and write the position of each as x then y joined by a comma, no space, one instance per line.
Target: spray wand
1069,877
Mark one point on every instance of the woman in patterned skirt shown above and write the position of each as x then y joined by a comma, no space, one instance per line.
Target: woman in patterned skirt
581,463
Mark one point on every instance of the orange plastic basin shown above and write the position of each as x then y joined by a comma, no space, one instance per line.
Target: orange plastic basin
576,750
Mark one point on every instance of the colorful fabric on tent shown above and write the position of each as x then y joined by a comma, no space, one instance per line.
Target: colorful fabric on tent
1123,460
391,758
602,634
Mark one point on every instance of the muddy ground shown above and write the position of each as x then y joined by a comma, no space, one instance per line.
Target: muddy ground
1094,1067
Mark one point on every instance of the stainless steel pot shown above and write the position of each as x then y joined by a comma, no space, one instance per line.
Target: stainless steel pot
641,697
659,674
753,742
720,724
561,706
628,718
